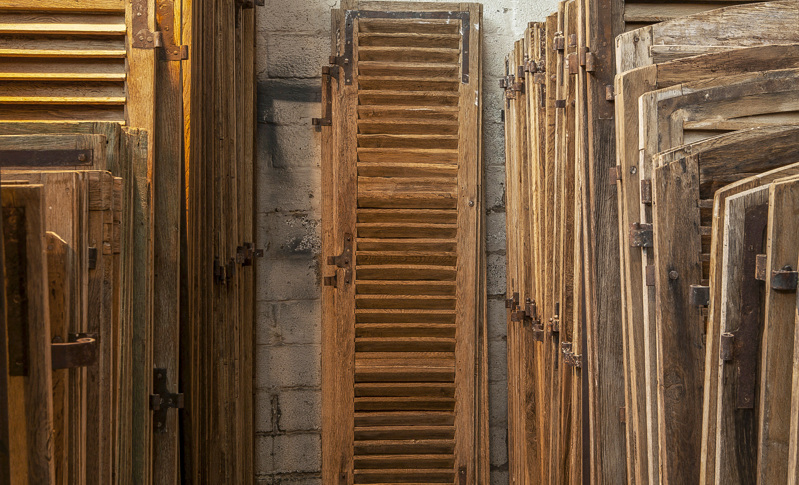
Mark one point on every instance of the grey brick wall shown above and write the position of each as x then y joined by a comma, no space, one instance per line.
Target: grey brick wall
292,45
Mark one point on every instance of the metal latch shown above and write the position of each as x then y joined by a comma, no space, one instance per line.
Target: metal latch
162,400
79,351
344,260
699,295
641,235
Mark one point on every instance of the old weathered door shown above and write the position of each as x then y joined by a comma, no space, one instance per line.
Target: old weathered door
402,391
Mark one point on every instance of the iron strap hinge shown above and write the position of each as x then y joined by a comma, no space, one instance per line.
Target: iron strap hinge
162,400
641,235
144,38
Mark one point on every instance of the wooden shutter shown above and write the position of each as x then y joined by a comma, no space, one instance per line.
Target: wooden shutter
63,60
402,395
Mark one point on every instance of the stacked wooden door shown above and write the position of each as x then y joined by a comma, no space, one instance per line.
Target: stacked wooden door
403,339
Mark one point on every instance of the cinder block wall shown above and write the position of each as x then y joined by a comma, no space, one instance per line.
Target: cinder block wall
292,45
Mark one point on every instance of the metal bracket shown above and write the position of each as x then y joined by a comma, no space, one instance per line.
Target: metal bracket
349,25
785,279
699,295
162,400
554,322
641,235
344,260
79,351
590,61
646,191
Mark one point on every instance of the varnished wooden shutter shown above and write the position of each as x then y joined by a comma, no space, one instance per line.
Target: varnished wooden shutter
63,60
403,398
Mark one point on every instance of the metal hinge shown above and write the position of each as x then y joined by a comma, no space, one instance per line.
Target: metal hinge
569,357
554,322
559,42
725,346
513,301
699,295
344,260
247,253
162,400
785,279
646,192
144,38
572,63
641,235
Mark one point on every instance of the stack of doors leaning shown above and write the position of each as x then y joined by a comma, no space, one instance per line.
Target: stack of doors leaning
404,341
644,215
128,265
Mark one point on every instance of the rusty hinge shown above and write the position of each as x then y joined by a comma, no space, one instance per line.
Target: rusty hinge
785,279
344,260
163,36
572,63
610,94
646,191
534,68
559,42
614,174
590,62
538,331
641,235
79,351
699,295
554,322
327,119
560,103
726,345
246,254
513,301
162,400
569,357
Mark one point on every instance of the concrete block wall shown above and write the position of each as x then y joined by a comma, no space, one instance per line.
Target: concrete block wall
292,45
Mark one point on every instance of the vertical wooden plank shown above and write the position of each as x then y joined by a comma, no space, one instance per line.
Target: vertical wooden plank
5,441
676,243
168,188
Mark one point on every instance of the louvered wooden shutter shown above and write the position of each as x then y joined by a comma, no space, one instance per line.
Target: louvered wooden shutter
403,397
62,60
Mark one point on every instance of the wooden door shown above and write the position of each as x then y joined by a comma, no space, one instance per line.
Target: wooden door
401,401
29,438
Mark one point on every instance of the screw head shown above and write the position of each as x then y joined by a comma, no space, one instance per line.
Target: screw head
673,275
471,203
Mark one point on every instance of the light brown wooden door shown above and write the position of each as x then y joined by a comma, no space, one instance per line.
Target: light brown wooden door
402,397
